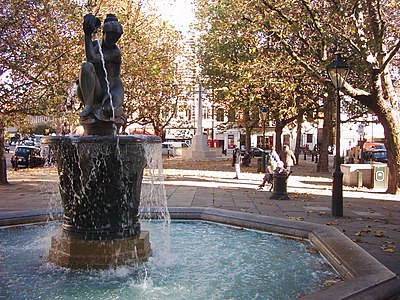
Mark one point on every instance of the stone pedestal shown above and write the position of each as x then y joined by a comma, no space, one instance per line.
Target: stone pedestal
74,253
199,150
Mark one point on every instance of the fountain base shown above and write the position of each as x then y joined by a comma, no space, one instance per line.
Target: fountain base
69,252
100,187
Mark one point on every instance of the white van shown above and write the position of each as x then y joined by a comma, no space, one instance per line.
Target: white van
173,148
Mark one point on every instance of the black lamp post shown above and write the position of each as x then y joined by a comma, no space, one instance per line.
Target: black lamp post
263,117
337,71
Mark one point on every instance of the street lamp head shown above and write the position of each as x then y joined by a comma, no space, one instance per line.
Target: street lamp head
337,71
263,112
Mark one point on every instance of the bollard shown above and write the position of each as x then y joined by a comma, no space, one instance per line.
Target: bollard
359,178
4,175
280,187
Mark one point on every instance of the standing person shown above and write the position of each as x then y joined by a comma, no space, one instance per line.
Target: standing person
274,155
236,160
288,158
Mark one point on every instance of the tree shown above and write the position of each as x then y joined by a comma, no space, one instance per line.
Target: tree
368,34
239,55
308,32
38,58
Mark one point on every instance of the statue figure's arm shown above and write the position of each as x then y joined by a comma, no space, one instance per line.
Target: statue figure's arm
90,25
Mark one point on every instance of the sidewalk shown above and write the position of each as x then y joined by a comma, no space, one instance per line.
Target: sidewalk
371,219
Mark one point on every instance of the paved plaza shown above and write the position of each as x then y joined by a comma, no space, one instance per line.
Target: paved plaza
371,217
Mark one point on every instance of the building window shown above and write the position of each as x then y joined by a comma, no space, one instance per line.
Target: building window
309,138
188,114
206,113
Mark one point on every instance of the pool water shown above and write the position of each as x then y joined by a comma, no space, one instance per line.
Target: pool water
190,260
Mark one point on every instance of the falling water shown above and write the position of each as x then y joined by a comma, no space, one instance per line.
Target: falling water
105,75
153,202
153,198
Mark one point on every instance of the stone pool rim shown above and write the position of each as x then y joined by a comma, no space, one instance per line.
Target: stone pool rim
364,276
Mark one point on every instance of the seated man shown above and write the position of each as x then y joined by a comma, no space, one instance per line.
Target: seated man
268,177
273,168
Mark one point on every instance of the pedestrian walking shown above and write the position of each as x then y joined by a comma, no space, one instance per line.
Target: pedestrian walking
288,158
236,160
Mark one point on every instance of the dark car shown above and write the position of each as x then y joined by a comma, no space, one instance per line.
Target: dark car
258,152
378,155
28,156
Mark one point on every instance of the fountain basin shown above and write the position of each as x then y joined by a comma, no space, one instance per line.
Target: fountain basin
191,259
364,277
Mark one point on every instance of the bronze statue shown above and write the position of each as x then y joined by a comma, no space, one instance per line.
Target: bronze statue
99,86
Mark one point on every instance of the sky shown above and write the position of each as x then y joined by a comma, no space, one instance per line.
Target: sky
179,12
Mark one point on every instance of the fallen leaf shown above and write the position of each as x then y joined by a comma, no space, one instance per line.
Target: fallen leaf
331,223
312,250
388,250
379,233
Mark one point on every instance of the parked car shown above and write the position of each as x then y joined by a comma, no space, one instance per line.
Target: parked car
257,152
28,156
378,155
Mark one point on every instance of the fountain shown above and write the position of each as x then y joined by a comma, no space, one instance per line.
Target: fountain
100,183
100,172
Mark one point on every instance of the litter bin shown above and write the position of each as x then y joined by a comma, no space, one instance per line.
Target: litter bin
380,176
280,187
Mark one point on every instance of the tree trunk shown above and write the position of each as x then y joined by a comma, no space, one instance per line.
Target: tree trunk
388,115
278,136
384,103
323,162
3,166
249,130
392,143
298,136
391,126
248,139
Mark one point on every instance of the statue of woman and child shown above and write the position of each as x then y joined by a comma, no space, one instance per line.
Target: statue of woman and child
99,86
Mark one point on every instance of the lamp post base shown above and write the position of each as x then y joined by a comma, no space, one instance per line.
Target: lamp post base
337,194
